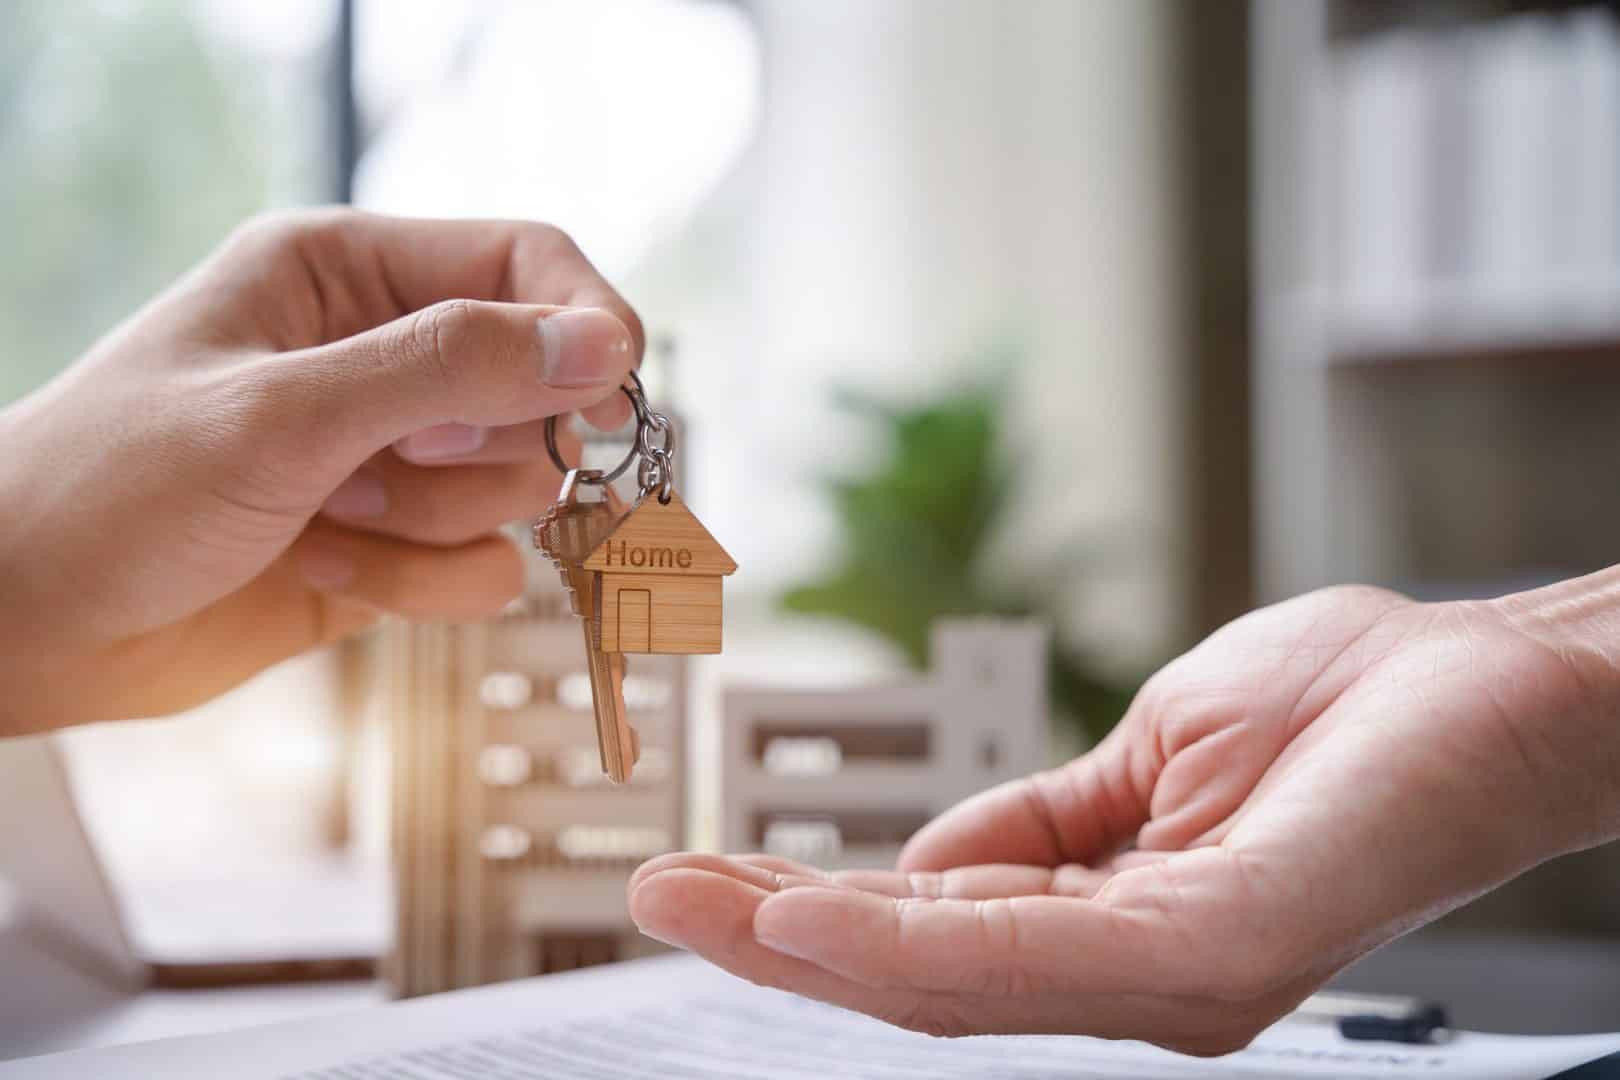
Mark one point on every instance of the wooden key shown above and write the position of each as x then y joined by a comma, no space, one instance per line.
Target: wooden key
646,581
570,530
616,740
568,533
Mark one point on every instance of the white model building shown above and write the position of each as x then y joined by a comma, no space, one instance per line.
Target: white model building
842,778
512,851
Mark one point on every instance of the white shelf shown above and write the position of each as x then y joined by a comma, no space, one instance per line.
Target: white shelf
1439,319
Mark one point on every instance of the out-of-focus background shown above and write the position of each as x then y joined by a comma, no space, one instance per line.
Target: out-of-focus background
1112,317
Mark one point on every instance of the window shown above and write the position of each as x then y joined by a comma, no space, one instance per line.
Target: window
135,137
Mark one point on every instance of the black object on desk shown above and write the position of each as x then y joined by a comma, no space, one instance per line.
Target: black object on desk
1378,1017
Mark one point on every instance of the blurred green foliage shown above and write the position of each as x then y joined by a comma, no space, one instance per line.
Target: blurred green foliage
917,529
132,144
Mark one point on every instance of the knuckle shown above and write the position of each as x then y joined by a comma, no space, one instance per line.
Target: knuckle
1159,688
550,239
544,242
540,242
1181,718
438,333
277,230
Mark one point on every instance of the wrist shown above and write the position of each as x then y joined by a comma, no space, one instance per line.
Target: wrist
1572,677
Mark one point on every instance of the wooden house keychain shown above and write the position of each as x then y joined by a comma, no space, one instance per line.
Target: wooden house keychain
644,580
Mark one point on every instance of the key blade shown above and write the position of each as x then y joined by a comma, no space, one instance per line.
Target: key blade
625,741
615,739
616,742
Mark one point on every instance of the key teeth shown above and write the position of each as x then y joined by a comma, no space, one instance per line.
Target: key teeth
537,531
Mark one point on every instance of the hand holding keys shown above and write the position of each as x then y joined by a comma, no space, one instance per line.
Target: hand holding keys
645,580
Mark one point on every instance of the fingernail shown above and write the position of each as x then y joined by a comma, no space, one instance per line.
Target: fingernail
442,442
667,939
325,569
780,945
360,496
583,347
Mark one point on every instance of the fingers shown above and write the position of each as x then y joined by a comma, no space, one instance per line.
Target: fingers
962,882
471,581
713,914
1076,814
363,270
980,930
932,976
1009,945
272,618
887,943
472,363
609,414
465,444
966,882
1202,787
440,506
331,583
977,882
759,871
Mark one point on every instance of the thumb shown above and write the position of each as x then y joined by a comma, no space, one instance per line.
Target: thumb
1077,813
463,361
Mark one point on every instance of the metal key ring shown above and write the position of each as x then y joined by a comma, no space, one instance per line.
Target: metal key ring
638,405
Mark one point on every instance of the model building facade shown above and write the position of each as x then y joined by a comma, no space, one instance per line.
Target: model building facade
843,778
512,851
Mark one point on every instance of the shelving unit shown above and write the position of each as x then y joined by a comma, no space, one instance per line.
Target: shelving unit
1437,317
1437,224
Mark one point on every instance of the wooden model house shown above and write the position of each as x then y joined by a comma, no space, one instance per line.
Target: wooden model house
842,778
512,851
658,589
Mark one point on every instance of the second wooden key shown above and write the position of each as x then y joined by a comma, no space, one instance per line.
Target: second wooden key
568,533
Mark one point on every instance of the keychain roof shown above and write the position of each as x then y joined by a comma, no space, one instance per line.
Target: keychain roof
659,537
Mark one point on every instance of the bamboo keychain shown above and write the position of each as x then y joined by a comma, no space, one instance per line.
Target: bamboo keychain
645,580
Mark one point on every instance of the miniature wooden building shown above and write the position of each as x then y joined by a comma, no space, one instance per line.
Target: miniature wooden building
512,850
659,589
842,778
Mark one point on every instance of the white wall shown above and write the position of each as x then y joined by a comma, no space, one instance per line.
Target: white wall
928,175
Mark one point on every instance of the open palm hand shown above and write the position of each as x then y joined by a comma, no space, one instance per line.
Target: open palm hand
1313,780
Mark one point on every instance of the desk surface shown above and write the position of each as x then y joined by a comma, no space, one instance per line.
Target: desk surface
1489,984
72,1012
1511,985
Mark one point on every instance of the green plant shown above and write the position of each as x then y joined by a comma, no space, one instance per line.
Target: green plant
917,528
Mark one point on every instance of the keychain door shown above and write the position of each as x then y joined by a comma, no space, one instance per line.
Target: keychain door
635,620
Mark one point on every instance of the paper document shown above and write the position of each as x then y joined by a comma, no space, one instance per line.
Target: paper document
677,1017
